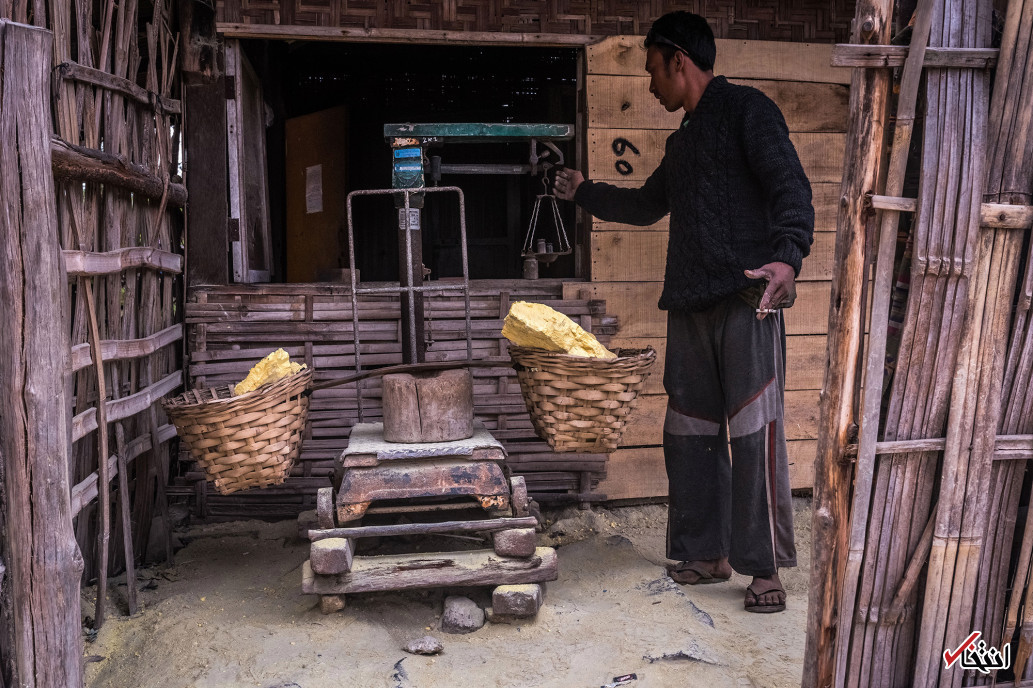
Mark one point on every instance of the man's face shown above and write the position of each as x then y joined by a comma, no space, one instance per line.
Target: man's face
666,81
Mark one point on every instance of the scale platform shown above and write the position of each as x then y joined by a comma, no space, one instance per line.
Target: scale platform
425,476
367,447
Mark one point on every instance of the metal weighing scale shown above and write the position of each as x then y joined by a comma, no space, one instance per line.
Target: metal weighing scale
426,480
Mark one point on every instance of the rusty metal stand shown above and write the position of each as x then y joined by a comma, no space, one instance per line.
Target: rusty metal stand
373,476
410,284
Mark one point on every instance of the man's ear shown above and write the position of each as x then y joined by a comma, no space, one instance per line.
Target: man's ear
682,61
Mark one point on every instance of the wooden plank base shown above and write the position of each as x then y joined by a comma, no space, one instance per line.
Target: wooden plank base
410,572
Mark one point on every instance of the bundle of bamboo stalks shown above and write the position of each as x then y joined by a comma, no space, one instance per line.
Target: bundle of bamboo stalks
1010,181
931,535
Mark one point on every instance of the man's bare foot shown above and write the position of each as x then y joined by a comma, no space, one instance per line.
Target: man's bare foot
765,595
700,572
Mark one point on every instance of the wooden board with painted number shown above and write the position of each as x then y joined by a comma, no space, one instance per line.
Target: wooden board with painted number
639,472
624,102
805,361
645,425
643,256
634,304
633,154
626,55
824,198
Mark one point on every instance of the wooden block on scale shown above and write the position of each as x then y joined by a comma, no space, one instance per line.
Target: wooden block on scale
442,569
428,407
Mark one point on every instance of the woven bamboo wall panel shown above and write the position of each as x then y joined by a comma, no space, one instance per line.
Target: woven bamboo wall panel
776,20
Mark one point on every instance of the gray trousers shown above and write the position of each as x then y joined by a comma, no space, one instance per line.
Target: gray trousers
725,380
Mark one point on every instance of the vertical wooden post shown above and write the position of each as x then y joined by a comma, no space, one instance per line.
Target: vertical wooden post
869,94
207,213
40,600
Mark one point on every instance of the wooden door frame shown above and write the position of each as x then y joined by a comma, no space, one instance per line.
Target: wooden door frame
219,271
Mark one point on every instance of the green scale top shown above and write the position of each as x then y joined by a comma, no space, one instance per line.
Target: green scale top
475,132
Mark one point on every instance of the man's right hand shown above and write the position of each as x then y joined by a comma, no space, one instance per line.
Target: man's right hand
566,183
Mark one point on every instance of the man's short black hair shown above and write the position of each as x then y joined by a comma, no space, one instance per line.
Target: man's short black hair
686,32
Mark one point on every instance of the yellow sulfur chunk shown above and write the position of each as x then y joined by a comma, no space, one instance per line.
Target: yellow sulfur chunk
270,369
537,325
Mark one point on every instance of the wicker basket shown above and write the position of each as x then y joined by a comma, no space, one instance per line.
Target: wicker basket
580,404
251,440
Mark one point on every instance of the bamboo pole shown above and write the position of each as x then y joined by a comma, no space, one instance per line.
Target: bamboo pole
965,106
876,354
1009,180
102,452
864,161
162,51
901,501
123,510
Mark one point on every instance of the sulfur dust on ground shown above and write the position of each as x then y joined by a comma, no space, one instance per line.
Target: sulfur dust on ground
229,612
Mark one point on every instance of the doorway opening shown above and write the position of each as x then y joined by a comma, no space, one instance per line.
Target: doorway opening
327,104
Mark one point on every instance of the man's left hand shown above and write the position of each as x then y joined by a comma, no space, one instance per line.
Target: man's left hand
781,289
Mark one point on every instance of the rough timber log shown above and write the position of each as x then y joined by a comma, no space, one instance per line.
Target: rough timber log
869,93
40,637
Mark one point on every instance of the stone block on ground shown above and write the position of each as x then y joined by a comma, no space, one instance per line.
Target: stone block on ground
331,556
462,615
516,542
328,604
518,601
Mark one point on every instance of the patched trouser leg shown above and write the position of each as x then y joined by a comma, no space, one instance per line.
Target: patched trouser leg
699,474
725,374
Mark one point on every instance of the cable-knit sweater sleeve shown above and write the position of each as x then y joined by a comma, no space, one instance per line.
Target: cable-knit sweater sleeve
774,161
642,206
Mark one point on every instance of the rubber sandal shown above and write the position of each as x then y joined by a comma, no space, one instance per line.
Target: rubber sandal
679,573
750,604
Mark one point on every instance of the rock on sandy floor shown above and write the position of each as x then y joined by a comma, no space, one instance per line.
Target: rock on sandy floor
427,645
461,615
230,613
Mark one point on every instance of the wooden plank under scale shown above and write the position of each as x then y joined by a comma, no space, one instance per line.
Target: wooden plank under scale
408,572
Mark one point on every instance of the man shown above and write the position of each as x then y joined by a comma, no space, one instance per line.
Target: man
741,224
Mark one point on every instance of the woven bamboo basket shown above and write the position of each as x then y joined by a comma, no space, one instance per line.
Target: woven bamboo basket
580,404
245,441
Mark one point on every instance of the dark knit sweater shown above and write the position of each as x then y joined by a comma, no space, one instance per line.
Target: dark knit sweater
736,191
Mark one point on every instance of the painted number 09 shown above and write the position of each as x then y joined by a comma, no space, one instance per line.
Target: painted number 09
620,145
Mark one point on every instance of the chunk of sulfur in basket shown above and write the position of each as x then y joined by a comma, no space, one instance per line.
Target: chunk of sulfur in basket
270,369
537,325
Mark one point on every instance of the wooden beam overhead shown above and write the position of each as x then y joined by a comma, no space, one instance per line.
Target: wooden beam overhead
418,36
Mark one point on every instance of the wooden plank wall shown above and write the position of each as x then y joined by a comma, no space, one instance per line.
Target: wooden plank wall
627,263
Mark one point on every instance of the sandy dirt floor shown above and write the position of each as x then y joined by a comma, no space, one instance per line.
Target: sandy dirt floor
230,612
